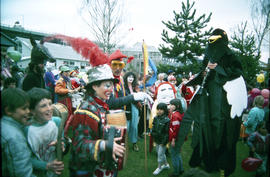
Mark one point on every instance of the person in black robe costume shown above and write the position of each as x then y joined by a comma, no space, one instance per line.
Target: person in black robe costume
35,75
215,133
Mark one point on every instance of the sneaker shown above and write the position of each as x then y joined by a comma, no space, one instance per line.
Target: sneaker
157,171
167,166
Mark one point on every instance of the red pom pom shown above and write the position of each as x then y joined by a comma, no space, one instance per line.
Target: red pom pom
130,59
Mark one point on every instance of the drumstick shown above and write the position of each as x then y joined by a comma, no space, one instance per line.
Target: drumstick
59,152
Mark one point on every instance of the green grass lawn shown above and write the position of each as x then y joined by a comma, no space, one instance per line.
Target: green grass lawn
135,164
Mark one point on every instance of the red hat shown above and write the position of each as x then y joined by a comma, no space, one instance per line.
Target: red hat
118,55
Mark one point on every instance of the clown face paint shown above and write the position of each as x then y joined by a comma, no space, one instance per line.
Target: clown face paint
104,90
130,78
165,93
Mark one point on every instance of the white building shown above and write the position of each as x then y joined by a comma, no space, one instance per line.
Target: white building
63,54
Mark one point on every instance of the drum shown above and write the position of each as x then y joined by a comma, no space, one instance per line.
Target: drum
60,110
117,118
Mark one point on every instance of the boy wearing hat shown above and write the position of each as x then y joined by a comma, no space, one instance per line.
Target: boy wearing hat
63,89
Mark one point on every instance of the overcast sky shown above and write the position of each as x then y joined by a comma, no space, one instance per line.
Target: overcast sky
144,16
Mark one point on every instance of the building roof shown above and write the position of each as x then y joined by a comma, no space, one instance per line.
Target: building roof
57,50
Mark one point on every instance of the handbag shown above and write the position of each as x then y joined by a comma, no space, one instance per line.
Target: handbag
242,131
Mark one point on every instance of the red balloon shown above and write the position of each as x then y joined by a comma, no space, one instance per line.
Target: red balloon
255,92
251,164
265,93
266,101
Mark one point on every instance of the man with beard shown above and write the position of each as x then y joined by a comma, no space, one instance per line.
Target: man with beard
35,74
216,108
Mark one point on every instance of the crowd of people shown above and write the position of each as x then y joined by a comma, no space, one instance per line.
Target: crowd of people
200,103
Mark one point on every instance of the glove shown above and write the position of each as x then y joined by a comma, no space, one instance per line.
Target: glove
141,96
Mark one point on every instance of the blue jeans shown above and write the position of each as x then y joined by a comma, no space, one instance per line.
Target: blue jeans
177,162
132,124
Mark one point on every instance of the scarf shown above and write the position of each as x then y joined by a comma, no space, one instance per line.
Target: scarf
102,103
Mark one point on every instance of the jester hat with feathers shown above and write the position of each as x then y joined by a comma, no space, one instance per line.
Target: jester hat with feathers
90,51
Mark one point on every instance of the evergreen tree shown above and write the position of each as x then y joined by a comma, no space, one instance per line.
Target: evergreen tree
188,39
245,48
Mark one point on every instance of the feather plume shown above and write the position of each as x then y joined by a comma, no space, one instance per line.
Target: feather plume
85,47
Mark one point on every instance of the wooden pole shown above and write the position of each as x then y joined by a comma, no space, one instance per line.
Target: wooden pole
59,152
145,144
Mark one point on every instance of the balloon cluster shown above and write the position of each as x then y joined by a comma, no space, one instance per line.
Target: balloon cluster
265,93
255,92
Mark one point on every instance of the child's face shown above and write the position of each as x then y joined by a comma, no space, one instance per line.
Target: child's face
172,107
160,112
21,114
43,111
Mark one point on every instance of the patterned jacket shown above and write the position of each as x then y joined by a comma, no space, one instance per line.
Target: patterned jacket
87,125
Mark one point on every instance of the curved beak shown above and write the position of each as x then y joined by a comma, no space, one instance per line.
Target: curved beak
214,38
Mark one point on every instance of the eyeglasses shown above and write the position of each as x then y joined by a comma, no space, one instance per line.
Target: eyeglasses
117,64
